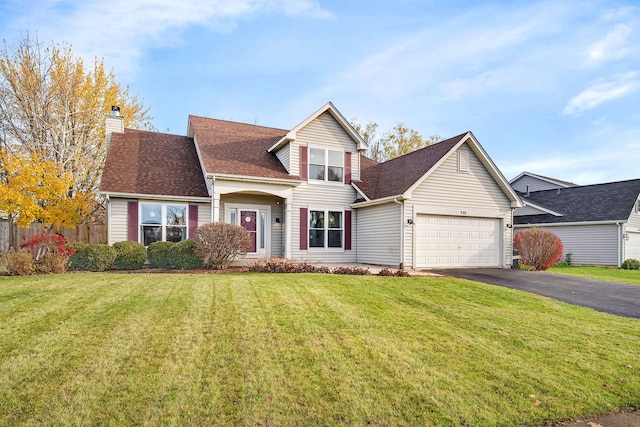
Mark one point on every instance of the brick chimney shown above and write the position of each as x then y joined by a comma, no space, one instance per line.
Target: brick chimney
114,123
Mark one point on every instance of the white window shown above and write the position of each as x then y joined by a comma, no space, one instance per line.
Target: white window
163,222
326,165
325,229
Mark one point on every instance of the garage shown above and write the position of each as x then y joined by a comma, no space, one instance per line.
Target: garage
454,241
632,246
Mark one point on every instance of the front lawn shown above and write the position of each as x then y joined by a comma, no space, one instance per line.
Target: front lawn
600,273
306,349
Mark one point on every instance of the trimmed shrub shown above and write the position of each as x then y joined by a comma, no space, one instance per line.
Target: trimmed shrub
286,266
630,264
394,273
219,243
356,271
19,263
92,257
53,262
129,255
539,249
183,255
159,254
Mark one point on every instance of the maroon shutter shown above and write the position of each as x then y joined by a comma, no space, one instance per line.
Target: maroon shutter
304,166
132,221
347,167
304,228
193,220
347,230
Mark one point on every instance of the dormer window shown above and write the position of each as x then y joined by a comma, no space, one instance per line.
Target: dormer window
326,165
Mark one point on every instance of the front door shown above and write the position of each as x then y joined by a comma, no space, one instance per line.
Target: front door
255,219
249,221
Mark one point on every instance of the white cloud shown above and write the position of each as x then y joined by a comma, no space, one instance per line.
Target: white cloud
122,30
612,47
602,91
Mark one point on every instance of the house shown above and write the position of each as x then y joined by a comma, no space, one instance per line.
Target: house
309,193
598,224
528,181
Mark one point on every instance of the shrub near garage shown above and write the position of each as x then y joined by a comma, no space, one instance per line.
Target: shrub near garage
630,264
539,249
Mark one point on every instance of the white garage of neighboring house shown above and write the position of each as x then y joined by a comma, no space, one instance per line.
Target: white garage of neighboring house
598,224
453,210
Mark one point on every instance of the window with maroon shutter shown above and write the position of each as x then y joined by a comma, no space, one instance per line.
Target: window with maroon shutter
132,221
347,167
303,163
193,219
347,230
304,230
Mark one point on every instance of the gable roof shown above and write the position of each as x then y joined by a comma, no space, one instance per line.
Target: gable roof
399,176
555,181
237,149
326,108
395,176
143,162
612,201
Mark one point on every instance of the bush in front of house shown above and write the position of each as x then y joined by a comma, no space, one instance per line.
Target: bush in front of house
19,262
393,273
159,254
183,255
630,264
129,255
53,262
539,249
92,257
219,243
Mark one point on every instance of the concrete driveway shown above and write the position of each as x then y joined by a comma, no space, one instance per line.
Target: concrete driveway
610,297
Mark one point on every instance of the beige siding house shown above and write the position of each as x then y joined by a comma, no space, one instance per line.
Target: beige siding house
597,224
308,193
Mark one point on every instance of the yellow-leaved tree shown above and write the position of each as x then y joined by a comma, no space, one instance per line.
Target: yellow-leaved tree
52,108
36,190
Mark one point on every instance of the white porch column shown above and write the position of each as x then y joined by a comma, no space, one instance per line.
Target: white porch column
287,227
216,206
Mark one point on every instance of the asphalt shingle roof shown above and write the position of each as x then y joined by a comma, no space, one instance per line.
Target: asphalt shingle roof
142,162
395,176
238,148
612,201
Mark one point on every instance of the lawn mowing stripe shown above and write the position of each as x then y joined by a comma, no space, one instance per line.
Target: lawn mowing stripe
116,306
294,349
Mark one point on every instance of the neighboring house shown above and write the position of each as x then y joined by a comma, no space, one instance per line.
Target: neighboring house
308,193
598,224
528,181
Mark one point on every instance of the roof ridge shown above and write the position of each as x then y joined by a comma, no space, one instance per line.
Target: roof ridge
586,185
236,122
422,149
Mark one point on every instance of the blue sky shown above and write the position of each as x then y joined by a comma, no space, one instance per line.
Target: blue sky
550,87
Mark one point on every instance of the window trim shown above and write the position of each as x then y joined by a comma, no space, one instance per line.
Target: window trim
163,220
326,165
326,229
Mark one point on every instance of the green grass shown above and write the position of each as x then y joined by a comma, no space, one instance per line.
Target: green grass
291,350
600,273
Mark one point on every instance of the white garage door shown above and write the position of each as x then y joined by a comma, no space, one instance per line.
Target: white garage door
632,246
451,241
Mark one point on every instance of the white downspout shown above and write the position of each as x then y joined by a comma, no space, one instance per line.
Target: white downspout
619,224
401,232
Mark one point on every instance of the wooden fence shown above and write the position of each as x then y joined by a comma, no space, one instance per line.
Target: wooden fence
13,236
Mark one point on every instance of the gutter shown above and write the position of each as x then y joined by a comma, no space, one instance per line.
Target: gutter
560,224
378,201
